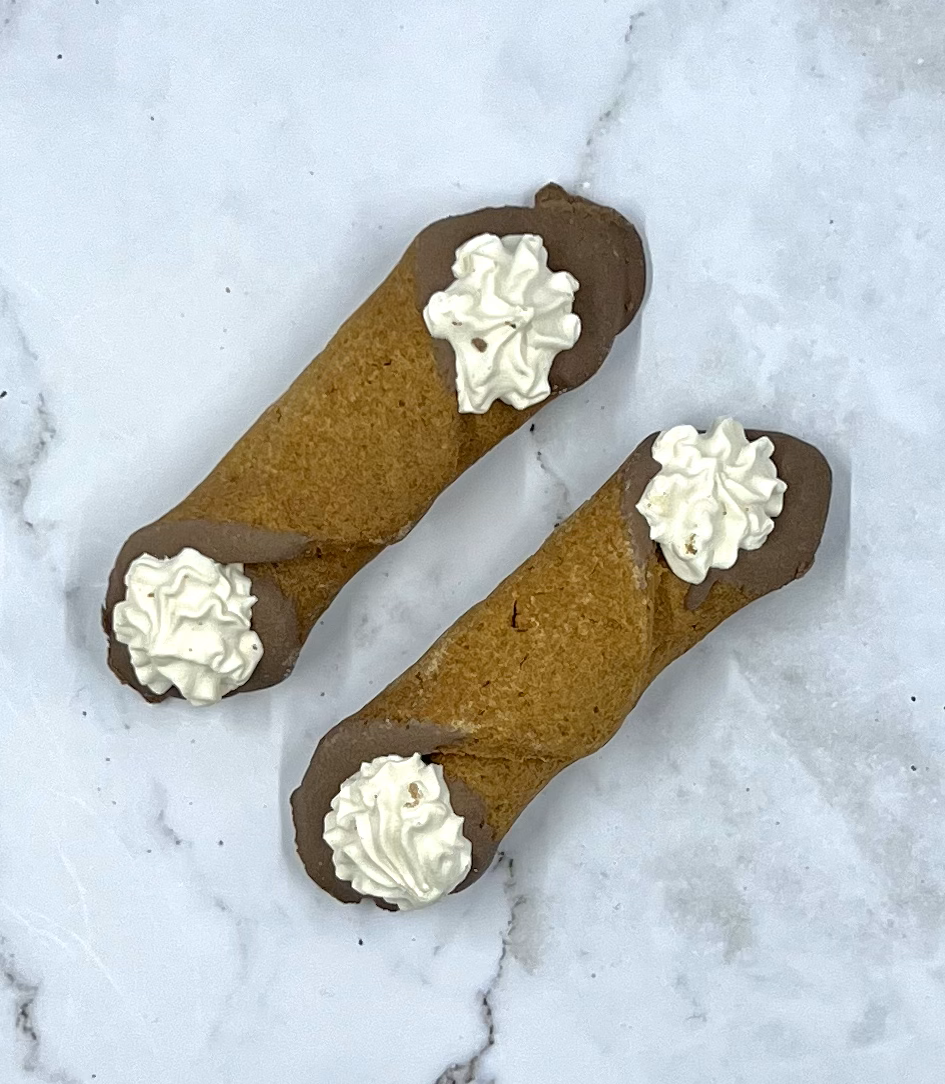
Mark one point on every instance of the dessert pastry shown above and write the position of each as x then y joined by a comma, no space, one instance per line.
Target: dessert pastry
408,799
486,316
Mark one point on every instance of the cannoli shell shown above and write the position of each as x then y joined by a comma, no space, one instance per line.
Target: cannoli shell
546,669
369,434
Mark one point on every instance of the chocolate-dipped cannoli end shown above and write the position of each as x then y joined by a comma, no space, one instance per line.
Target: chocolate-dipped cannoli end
340,755
594,244
137,627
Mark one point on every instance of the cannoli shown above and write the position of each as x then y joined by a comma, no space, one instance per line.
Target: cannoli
486,317
409,798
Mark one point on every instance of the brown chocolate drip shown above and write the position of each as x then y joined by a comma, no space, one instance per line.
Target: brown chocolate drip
594,243
274,618
339,755
788,552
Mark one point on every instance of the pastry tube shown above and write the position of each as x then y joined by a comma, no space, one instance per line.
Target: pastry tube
545,670
370,433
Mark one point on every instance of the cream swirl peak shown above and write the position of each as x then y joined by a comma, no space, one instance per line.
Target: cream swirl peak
717,493
394,835
507,316
186,623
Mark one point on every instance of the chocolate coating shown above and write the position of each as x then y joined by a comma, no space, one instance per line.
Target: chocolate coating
788,552
594,243
339,755
274,619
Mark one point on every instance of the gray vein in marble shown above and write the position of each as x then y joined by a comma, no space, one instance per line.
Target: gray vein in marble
43,926
563,509
467,1072
25,994
27,427
611,114
244,931
699,1014
9,17
563,505
162,828
243,927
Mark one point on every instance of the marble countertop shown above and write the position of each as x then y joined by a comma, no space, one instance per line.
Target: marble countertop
747,884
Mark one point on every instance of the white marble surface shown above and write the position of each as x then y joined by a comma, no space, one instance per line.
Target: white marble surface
747,885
